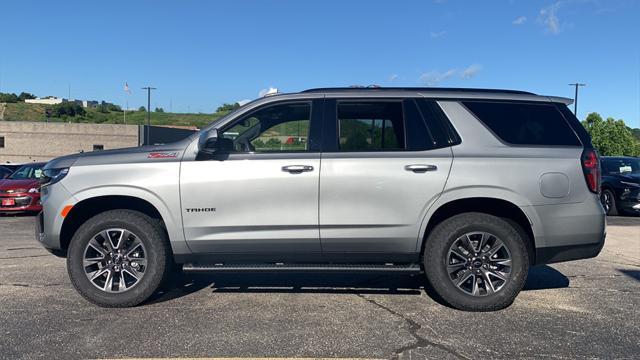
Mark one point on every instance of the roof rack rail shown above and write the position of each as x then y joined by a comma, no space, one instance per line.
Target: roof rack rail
421,89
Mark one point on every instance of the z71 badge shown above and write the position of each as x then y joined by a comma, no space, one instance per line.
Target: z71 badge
162,155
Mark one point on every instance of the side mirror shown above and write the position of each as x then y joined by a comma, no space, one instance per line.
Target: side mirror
207,141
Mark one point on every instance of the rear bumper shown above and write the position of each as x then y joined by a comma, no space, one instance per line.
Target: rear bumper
566,232
554,254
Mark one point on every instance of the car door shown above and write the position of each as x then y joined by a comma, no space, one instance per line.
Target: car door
259,194
382,169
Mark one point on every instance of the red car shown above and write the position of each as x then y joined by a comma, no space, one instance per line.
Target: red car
20,191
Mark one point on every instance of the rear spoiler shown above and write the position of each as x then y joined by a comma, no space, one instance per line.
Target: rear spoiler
559,99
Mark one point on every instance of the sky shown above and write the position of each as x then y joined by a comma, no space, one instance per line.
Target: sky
200,54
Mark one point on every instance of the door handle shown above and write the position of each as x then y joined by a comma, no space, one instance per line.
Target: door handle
420,168
297,169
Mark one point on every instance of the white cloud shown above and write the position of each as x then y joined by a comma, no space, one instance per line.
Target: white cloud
470,71
393,77
437,34
264,92
434,77
519,20
549,17
243,102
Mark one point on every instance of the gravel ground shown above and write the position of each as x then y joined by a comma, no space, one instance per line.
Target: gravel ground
581,309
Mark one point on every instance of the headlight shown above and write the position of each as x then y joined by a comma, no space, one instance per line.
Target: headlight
52,176
34,190
16,191
630,184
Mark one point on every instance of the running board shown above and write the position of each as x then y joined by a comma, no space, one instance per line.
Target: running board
284,267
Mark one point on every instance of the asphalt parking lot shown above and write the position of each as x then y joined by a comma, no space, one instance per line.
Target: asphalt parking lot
583,309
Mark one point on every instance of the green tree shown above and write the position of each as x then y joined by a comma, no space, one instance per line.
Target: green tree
113,107
67,109
611,137
25,95
159,109
142,108
8,98
227,107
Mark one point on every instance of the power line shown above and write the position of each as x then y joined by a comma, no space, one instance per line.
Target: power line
575,99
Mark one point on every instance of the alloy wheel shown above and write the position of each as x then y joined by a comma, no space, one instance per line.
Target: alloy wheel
605,198
115,260
479,263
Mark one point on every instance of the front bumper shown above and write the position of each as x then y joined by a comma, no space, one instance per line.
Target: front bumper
49,221
41,236
21,202
629,201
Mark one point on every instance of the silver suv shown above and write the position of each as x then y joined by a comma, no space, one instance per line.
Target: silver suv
469,186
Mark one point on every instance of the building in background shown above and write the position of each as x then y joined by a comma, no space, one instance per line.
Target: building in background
47,100
40,141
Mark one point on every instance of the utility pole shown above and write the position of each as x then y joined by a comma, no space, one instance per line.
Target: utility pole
575,99
148,132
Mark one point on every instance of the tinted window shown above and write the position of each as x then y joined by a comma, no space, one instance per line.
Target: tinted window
370,126
438,124
277,128
525,124
575,124
621,166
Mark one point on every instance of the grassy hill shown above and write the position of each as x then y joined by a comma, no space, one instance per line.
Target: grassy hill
36,112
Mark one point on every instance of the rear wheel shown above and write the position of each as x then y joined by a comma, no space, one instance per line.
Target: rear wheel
118,258
476,261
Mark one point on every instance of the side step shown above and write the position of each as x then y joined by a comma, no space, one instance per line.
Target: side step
285,267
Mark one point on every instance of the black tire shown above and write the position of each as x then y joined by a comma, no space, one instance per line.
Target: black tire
436,255
158,256
610,209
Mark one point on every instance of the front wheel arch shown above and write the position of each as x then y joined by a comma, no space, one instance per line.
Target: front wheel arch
88,208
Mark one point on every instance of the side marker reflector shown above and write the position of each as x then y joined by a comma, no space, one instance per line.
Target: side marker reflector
65,210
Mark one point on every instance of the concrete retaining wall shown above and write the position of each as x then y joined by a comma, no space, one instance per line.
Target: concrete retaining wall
40,141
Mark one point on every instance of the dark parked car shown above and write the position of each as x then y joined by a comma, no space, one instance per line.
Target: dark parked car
620,191
12,166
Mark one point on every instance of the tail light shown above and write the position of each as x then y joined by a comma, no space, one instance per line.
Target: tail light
591,169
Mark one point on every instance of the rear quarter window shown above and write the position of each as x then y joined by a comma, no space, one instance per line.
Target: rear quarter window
525,123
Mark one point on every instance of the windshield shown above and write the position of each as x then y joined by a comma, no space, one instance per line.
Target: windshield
27,172
622,166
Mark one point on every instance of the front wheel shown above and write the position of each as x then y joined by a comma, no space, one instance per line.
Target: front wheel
608,200
476,261
118,258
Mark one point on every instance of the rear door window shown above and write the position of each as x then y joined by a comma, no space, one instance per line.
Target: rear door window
370,126
525,123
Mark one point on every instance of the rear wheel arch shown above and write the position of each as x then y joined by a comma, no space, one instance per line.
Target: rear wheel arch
492,206
90,207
